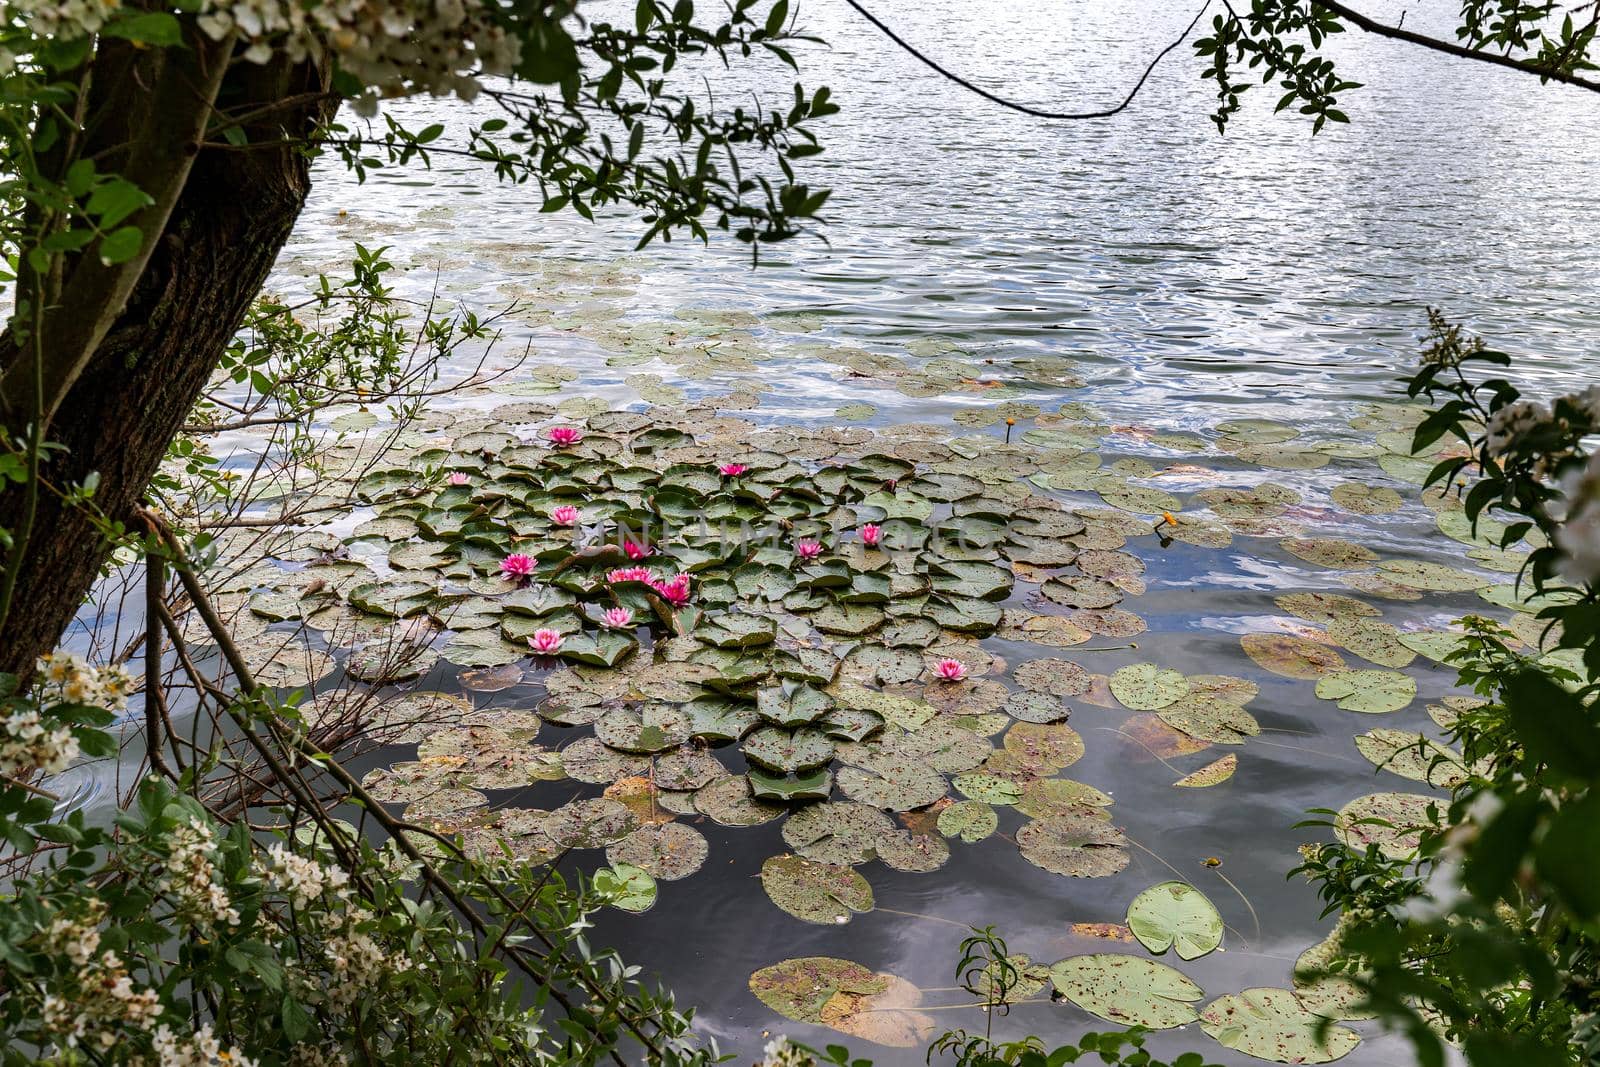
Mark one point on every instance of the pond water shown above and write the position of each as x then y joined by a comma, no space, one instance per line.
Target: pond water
1184,280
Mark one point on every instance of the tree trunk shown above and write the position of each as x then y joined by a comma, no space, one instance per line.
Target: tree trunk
233,217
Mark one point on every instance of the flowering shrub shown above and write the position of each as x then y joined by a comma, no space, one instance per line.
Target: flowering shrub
1489,936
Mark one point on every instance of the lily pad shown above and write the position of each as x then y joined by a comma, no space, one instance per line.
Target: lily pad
1271,1024
822,893
1371,692
1218,721
1127,990
1079,846
667,851
1214,773
969,820
1178,916
1147,687
1292,657
628,888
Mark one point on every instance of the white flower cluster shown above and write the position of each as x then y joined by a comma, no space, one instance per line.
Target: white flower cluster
67,678
301,879
106,1000
54,18
76,939
1513,421
201,1050
393,47
780,1053
29,744
191,877
1579,536
358,963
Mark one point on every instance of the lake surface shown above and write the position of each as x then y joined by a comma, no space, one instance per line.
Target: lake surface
1189,279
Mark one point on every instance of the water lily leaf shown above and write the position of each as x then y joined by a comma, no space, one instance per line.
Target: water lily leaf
777,749
1234,690
970,820
1081,591
1147,687
1036,707
902,850
1375,642
643,730
800,989
1050,746
792,705
667,851
1079,846
1045,798
686,769
728,801
1436,577
1372,692
1292,657
604,649
839,832
822,893
395,599
1323,978
587,760
1127,990
1325,607
1057,677
1392,821
895,783
1056,630
589,823
1414,756
1330,552
1437,645
1111,622
1213,773
1218,721
627,887
988,788
1365,499
1271,1024
1178,916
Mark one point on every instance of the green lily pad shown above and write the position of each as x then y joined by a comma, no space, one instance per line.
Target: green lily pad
1392,821
1364,499
1209,719
1292,657
988,788
1057,677
1325,607
1044,798
1127,990
728,802
1147,687
1371,692
1375,642
1079,846
822,893
839,832
667,851
801,989
1271,1024
781,750
1178,916
1436,577
1330,552
1213,773
969,820
627,887
1414,756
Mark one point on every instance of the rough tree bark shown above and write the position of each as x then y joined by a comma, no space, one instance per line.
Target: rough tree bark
232,218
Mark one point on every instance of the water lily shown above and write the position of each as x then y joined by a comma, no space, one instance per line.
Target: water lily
516,567
808,549
457,478
565,515
732,470
871,534
950,670
545,642
562,436
617,618
630,574
637,551
674,590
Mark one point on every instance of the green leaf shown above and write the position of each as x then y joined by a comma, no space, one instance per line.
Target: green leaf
121,245
1175,915
152,27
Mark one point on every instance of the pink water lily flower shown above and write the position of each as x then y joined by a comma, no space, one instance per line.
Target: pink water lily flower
565,515
618,618
516,567
871,534
562,436
545,642
457,478
637,551
950,670
808,549
732,470
630,574
674,590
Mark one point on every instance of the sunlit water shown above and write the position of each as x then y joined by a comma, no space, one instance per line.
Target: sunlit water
1192,278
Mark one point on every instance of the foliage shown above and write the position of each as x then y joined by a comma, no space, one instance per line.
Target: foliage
1287,43
1487,937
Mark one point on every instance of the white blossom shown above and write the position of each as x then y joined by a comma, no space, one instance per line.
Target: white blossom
1578,538
303,880
192,877
1513,421
201,1050
780,1053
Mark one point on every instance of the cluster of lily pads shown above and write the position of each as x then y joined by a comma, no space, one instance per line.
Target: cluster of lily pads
750,623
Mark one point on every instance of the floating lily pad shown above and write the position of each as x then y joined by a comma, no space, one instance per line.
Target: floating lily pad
1330,552
1392,821
783,751
1178,916
1375,642
1127,990
1364,499
1436,577
1414,756
627,887
1218,721
1147,687
1214,773
988,788
1372,692
1292,657
728,801
838,832
1057,677
667,851
1045,798
969,820
1271,1024
1079,846
800,989
821,893
1325,607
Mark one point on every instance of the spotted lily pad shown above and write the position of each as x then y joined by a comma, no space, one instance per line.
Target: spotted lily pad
1292,657
1214,773
1372,692
1330,552
626,887
1127,990
821,893
838,832
1392,821
969,820
1209,719
1079,846
1272,1024
1057,677
1178,916
667,851
1147,687
782,750
1414,756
